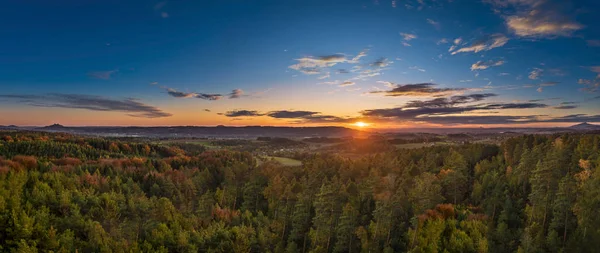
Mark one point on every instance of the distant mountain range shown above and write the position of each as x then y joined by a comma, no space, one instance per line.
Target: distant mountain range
274,131
199,131
585,127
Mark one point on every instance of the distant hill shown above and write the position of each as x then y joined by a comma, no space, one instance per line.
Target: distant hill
199,131
9,127
53,127
585,127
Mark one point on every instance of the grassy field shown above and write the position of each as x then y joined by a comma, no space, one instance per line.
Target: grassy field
284,160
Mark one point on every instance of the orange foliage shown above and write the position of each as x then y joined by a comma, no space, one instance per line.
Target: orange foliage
4,170
447,210
27,161
225,214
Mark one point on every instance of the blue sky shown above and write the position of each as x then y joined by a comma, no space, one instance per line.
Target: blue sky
300,62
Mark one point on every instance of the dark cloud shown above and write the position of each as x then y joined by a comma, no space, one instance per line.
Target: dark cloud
180,94
447,107
565,107
242,113
381,62
284,114
131,106
237,93
575,118
208,96
446,102
543,99
478,120
342,71
419,89
299,116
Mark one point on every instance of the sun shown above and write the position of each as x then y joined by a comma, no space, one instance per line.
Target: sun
361,124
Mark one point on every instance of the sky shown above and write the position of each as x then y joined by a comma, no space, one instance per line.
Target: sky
386,63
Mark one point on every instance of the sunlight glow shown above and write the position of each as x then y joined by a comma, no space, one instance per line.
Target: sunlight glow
361,124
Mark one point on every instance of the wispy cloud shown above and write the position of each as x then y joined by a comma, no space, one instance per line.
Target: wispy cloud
424,110
206,96
434,23
538,18
419,89
417,68
131,106
484,44
591,86
243,113
381,62
408,36
536,73
346,83
236,93
480,65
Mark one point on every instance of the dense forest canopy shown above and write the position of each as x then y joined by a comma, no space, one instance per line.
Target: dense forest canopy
65,193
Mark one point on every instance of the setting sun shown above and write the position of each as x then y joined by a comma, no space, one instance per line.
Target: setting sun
361,124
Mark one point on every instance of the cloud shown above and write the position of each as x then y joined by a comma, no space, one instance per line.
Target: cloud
208,96
131,106
565,107
536,73
447,102
311,65
164,14
406,44
484,44
359,55
381,62
419,89
236,93
480,65
538,18
540,89
242,113
417,68
314,65
415,114
433,23
408,36
442,41
325,76
457,41
104,75
179,94
346,83
342,71
306,116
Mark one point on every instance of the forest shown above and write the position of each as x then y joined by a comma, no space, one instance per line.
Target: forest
68,193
